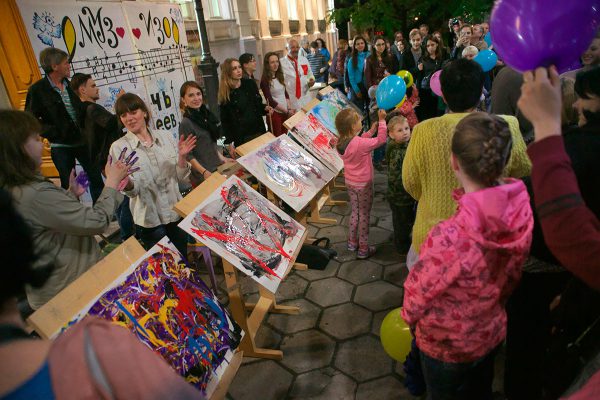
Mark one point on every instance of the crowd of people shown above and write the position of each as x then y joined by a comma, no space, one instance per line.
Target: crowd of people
502,240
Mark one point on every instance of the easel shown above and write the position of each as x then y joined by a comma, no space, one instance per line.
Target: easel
315,205
266,301
60,310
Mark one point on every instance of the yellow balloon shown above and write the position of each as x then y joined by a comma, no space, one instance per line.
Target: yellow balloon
69,36
395,335
402,102
175,32
407,76
167,26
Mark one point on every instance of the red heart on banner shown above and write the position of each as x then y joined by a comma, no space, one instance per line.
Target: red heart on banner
136,32
120,32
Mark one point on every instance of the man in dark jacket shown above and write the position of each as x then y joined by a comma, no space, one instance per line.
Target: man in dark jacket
56,106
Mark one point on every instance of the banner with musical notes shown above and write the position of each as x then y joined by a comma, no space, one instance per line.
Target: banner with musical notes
135,46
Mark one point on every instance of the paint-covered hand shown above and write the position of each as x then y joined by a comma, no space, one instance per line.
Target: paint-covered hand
74,186
117,173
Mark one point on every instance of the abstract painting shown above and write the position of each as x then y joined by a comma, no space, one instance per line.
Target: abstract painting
329,107
289,171
170,309
247,230
319,141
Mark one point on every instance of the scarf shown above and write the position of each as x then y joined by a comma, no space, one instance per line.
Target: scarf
205,120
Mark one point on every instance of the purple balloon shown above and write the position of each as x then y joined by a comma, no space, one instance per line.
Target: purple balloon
539,33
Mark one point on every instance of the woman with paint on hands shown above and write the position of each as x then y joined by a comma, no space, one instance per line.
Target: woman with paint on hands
272,85
162,163
94,358
205,126
63,228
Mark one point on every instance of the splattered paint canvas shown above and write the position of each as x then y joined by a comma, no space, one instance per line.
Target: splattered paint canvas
331,104
289,171
247,230
319,141
168,307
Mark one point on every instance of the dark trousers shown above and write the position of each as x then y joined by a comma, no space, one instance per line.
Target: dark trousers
403,219
150,236
64,161
459,381
528,333
125,219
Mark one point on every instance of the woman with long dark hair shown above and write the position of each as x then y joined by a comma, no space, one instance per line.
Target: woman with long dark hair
432,62
62,227
273,86
240,105
379,63
205,126
355,71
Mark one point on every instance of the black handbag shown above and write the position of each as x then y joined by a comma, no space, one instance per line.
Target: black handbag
315,256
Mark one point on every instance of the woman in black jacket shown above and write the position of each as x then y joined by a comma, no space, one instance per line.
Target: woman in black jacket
240,105
432,62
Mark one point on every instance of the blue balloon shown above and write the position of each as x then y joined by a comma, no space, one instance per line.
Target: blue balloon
390,92
487,59
488,39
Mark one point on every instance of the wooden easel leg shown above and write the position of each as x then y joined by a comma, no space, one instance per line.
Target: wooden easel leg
250,324
315,211
330,201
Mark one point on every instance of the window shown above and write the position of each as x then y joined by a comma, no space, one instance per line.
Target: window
292,8
320,11
252,9
308,9
217,9
273,9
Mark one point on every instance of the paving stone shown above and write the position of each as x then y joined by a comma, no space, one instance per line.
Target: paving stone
381,209
267,338
395,273
378,235
345,321
340,388
292,287
340,194
346,221
380,178
399,369
359,271
329,292
307,350
335,233
363,358
316,274
250,380
343,254
378,319
312,230
387,254
388,388
247,284
342,210
386,222
378,296
309,314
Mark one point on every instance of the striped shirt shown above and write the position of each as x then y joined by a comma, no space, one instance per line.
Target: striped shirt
64,95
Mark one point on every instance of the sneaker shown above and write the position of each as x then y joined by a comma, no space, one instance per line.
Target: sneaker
352,247
366,254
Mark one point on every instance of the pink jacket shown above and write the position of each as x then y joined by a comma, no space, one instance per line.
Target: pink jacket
358,167
469,265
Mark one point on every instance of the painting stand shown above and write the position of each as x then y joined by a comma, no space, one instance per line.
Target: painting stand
315,205
266,303
223,385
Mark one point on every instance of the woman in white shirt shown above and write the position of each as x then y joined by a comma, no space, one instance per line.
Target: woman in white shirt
154,189
272,85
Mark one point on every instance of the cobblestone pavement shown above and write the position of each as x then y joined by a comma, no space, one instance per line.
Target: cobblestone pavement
331,350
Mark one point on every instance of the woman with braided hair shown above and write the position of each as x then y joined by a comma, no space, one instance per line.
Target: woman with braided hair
469,264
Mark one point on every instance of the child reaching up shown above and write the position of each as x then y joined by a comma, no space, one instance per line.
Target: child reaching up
401,203
469,265
358,171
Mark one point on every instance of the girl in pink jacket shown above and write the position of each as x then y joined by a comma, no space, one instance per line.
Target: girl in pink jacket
355,151
469,265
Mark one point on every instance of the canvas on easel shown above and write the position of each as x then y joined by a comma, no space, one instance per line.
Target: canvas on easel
244,228
328,108
169,308
289,171
317,139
